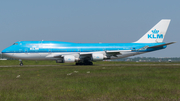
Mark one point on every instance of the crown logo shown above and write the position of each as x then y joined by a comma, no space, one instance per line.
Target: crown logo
155,31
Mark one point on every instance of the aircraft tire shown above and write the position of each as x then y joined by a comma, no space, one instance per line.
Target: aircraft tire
85,63
21,64
79,63
88,63
91,63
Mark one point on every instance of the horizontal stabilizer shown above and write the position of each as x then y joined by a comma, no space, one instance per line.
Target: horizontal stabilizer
162,45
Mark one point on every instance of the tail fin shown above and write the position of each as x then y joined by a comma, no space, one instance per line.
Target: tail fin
155,34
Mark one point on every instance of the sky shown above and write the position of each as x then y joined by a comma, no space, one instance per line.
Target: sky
88,21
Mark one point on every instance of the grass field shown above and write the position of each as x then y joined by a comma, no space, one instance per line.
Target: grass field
103,81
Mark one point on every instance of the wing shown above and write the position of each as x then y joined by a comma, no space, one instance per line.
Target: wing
59,55
87,55
113,53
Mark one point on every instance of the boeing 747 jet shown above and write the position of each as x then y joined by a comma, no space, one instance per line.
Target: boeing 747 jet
86,53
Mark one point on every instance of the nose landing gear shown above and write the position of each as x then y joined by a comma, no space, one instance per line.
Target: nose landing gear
21,63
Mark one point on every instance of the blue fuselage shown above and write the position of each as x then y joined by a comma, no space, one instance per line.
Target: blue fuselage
66,51
56,46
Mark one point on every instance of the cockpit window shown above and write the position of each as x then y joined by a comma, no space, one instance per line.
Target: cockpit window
15,44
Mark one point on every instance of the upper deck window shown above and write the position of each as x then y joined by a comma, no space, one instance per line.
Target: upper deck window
15,44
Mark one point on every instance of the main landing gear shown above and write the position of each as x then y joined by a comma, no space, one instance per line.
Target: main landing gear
21,63
84,63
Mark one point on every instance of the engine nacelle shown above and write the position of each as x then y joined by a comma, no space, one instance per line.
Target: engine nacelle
97,57
68,58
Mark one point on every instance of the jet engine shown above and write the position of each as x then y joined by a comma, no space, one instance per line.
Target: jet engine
97,57
67,58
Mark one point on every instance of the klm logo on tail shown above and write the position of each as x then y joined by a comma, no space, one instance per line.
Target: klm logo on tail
155,35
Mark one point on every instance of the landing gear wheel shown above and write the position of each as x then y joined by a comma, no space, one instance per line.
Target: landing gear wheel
79,63
21,64
90,63
84,63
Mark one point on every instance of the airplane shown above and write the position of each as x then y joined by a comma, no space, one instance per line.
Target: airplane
87,53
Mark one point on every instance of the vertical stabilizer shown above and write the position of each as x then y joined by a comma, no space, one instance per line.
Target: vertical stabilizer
155,34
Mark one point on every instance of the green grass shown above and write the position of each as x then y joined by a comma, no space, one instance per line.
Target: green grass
106,81
28,62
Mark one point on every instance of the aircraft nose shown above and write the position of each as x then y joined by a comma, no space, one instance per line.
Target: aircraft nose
4,51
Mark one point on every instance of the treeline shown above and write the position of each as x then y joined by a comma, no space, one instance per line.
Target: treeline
151,59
